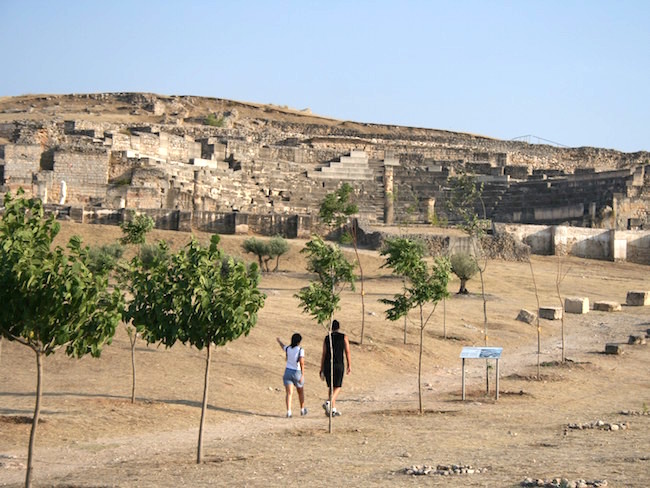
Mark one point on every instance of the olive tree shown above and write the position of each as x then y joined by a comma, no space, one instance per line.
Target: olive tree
266,250
424,287
50,298
322,297
465,267
335,211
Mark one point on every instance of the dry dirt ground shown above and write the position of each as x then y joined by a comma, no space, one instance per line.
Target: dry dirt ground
91,435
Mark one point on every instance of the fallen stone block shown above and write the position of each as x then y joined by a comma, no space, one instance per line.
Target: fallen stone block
576,305
637,298
607,306
550,313
526,316
612,348
636,339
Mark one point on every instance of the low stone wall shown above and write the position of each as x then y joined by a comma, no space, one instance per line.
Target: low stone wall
289,226
605,244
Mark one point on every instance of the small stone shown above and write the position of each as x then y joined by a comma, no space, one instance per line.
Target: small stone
606,306
526,316
614,427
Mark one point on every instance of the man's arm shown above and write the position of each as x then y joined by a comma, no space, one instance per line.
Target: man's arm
347,353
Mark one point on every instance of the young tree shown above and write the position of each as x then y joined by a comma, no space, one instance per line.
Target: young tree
335,211
142,279
559,278
321,298
136,229
50,298
424,287
205,299
465,267
466,197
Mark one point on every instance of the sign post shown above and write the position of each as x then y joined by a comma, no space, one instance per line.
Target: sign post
481,353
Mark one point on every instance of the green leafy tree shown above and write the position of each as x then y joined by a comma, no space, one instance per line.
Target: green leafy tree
465,267
204,299
138,278
136,229
424,287
266,250
336,210
322,297
50,298
278,246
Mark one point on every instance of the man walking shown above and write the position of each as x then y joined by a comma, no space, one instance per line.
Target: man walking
340,345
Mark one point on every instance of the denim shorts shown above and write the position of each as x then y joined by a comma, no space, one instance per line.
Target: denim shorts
292,376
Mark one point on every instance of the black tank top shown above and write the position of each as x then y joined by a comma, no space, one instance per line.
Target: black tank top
338,341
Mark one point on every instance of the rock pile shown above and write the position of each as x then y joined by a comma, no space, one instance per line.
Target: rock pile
563,483
442,469
599,424
635,412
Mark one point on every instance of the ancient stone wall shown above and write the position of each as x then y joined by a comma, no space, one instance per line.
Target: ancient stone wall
85,175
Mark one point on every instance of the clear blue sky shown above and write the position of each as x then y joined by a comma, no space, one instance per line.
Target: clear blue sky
574,72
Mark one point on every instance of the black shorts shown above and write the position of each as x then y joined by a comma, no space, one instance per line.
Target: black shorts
339,370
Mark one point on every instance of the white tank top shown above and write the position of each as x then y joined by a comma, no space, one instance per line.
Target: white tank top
293,356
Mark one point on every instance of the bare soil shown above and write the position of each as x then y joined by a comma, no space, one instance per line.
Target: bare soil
92,436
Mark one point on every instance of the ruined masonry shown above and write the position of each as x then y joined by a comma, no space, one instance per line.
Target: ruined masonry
266,169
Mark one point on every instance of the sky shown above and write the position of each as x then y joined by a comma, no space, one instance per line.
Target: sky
576,73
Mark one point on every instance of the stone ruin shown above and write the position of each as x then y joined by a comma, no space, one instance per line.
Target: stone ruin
266,169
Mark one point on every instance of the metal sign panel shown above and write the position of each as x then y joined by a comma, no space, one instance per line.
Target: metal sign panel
481,352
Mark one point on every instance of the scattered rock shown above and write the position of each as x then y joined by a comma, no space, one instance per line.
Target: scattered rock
612,348
636,339
576,305
526,316
607,306
550,313
443,470
563,483
599,424
635,412
637,298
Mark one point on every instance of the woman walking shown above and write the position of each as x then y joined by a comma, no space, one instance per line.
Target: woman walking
294,373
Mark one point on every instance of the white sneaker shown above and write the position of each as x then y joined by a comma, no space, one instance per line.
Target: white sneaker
336,413
289,414
326,407
303,411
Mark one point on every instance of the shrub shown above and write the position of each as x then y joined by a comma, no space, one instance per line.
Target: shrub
213,121
136,229
103,259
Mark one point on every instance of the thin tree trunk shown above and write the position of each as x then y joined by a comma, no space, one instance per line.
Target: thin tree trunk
204,405
404,288
420,360
329,335
37,412
444,317
539,329
132,341
363,293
